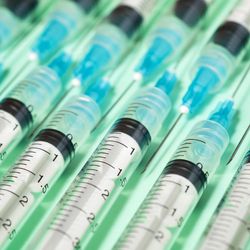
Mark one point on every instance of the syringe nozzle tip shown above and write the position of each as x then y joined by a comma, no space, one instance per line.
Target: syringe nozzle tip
223,113
204,81
159,50
61,63
99,90
167,82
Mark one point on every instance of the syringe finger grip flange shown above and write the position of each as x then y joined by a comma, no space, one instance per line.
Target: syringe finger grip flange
61,141
18,110
188,170
134,129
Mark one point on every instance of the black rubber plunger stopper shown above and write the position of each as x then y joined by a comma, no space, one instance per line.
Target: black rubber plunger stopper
87,5
21,8
61,141
232,36
126,18
134,129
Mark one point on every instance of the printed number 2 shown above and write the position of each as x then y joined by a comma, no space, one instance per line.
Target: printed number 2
24,200
7,225
105,194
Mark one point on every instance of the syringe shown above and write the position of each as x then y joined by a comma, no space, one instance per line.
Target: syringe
180,185
109,168
47,156
172,34
30,101
230,226
12,15
112,38
67,17
218,60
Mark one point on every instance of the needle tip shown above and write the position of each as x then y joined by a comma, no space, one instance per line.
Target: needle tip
75,82
33,56
137,76
184,109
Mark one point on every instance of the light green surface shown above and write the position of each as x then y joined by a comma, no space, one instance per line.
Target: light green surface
140,183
